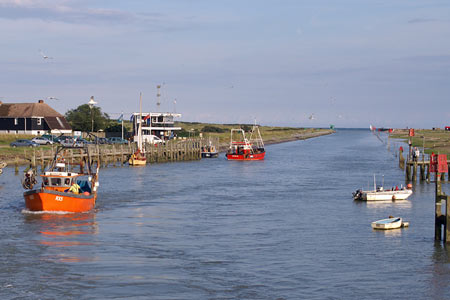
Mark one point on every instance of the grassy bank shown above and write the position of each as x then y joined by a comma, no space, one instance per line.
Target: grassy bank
218,133
437,141
270,134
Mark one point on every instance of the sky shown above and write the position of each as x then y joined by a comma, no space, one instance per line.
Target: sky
350,63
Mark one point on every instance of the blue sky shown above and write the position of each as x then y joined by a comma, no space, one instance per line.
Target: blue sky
350,63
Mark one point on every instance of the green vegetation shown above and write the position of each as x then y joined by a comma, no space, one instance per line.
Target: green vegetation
81,118
437,141
209,128
270,134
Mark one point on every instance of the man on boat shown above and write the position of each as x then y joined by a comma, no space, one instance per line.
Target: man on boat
75,188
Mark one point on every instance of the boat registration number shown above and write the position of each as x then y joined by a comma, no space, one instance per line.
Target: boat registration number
59,198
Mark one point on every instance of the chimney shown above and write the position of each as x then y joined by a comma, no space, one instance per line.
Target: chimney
41,101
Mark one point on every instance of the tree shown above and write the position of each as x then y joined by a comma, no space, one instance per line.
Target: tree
80,118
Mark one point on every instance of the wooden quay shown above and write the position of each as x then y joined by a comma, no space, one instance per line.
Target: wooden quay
106,155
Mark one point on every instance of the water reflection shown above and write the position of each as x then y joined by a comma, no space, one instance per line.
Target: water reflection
440,278
383,204
391,233
66,237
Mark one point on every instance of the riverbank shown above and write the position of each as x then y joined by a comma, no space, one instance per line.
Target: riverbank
290,135
437,141
198,131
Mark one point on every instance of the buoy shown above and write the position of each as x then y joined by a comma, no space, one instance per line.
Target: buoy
409,186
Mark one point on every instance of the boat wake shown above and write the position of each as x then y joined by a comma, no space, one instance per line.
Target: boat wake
29,212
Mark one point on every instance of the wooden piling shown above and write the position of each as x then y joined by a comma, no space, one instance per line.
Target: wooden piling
16,165
438,210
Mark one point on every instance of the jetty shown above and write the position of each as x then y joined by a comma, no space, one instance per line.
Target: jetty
117,155
419,168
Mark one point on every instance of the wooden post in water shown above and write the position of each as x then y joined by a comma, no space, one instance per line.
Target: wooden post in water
438,210
407,173
414,174
422,171
401,159
16,165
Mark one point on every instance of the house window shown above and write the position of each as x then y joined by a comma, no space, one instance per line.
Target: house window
39,121
16,121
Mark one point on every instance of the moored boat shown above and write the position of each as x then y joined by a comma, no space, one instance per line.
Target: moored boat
390,223
63,188
138,158
381,194
242,148
209,151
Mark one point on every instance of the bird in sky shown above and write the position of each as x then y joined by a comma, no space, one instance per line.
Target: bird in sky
44,56
52,98
311,117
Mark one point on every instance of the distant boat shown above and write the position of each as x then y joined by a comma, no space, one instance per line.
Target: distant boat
242,148
380,194
390,223
209,151
138,158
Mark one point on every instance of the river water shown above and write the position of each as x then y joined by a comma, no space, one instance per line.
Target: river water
283,228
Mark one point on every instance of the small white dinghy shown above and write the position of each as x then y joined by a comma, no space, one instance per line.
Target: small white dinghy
390,223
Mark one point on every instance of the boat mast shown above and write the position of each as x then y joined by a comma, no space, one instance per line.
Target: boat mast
374,183
140,123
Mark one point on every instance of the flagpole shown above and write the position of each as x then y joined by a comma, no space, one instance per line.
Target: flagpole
122,125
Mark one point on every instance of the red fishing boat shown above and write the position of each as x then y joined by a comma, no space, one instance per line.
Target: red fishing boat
63,188
242,148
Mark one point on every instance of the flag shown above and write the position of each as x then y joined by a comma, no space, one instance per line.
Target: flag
131,118
120,119
146,118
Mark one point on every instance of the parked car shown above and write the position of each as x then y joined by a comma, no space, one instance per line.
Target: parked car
151,139
42,141
23,143
70,141
51,137
103,141
117,140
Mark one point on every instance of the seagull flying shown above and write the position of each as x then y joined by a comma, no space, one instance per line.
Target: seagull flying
52,98
311,117
44,56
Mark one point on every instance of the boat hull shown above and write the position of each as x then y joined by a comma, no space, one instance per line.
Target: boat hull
256,156
210,154
386,195
137,162
385,224
47,200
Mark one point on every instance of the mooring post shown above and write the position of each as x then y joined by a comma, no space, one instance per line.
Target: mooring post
16,166
438,210
422,171
407,172
414,174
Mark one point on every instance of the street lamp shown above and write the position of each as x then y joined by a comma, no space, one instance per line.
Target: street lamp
91,104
